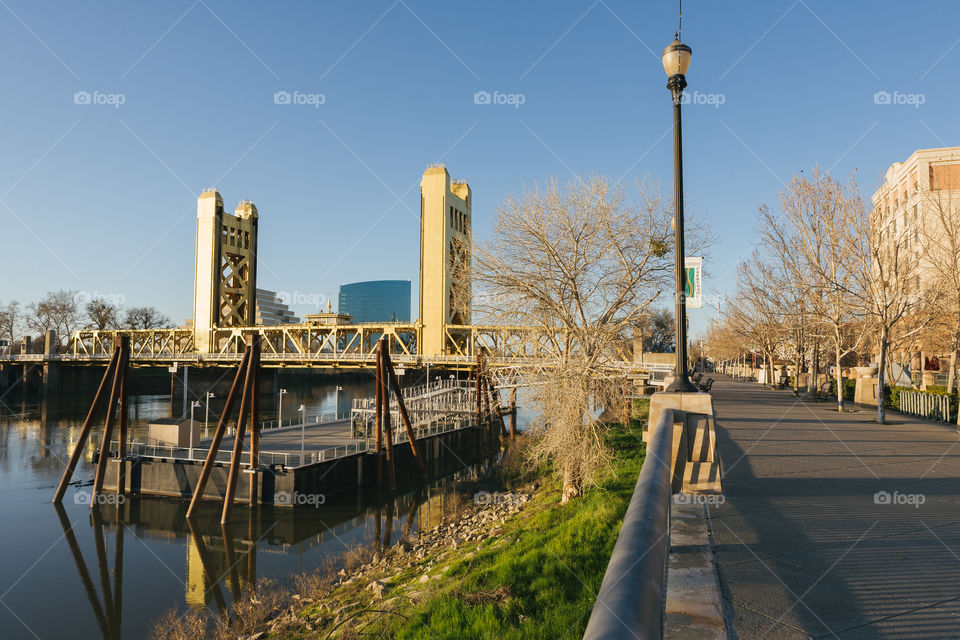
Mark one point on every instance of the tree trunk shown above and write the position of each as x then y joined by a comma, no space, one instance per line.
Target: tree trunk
572,484
796,375
814,366
881,376
839,377
953,363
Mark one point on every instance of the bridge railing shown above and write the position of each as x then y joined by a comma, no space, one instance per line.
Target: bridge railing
631,600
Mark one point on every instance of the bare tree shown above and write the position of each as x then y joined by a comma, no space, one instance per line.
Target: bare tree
761,313
57,310
659,335
103,315
816,235
145,318
938,235
582,261
887,261
10,321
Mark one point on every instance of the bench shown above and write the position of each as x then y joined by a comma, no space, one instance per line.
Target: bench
826,389
784,383
696,378
705,386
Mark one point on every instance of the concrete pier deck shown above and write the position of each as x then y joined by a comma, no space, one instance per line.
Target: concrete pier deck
834,526
286,440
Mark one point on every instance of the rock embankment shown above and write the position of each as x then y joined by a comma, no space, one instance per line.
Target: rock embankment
389,582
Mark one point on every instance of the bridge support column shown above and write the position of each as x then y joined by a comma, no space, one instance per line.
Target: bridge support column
51,370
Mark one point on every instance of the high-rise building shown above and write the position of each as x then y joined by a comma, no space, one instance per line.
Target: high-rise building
916,204
918,211
272,310
445,258
376,301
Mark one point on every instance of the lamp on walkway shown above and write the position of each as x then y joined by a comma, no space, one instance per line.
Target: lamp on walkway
676,61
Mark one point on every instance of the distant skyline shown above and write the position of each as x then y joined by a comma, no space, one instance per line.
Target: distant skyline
117,114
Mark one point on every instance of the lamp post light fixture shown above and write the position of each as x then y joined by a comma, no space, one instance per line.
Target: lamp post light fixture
676,61
206,417
303,427
193,405
280,407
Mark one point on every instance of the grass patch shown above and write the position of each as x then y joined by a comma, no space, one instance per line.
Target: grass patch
540,578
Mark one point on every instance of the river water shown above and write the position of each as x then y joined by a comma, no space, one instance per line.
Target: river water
112,572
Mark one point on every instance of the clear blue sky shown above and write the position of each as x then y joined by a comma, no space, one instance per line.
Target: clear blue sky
102,198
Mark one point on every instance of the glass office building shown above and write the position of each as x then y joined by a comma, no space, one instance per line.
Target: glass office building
376,301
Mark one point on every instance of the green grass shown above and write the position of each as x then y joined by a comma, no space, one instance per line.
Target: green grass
550,564
537,578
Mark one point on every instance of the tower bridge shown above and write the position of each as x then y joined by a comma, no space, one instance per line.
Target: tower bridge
225,286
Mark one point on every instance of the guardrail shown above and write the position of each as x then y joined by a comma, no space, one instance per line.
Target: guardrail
198,454
631,600
925,405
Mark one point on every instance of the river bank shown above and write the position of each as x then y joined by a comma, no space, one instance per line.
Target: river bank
508,561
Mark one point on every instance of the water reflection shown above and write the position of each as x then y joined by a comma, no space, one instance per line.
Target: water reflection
113,571
221,561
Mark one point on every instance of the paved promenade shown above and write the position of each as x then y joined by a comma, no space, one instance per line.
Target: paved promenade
835,526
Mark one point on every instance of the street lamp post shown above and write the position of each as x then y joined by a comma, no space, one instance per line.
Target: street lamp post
676,61
280,407
303,427
193,405
206,417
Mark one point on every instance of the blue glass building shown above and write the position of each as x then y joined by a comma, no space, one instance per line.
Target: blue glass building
376,301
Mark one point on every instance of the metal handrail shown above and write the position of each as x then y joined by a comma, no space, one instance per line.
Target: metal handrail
631,600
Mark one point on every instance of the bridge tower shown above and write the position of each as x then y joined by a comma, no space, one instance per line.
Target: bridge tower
445,259
225,285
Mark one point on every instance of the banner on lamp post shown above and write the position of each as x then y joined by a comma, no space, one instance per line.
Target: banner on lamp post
693,280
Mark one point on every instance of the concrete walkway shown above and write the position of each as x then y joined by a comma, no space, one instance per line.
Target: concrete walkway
834,526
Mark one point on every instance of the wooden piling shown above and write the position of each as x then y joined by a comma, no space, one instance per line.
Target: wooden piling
108,424
245,402
122,439
254,490
208,464
387,424
379,417
85,429
411,436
